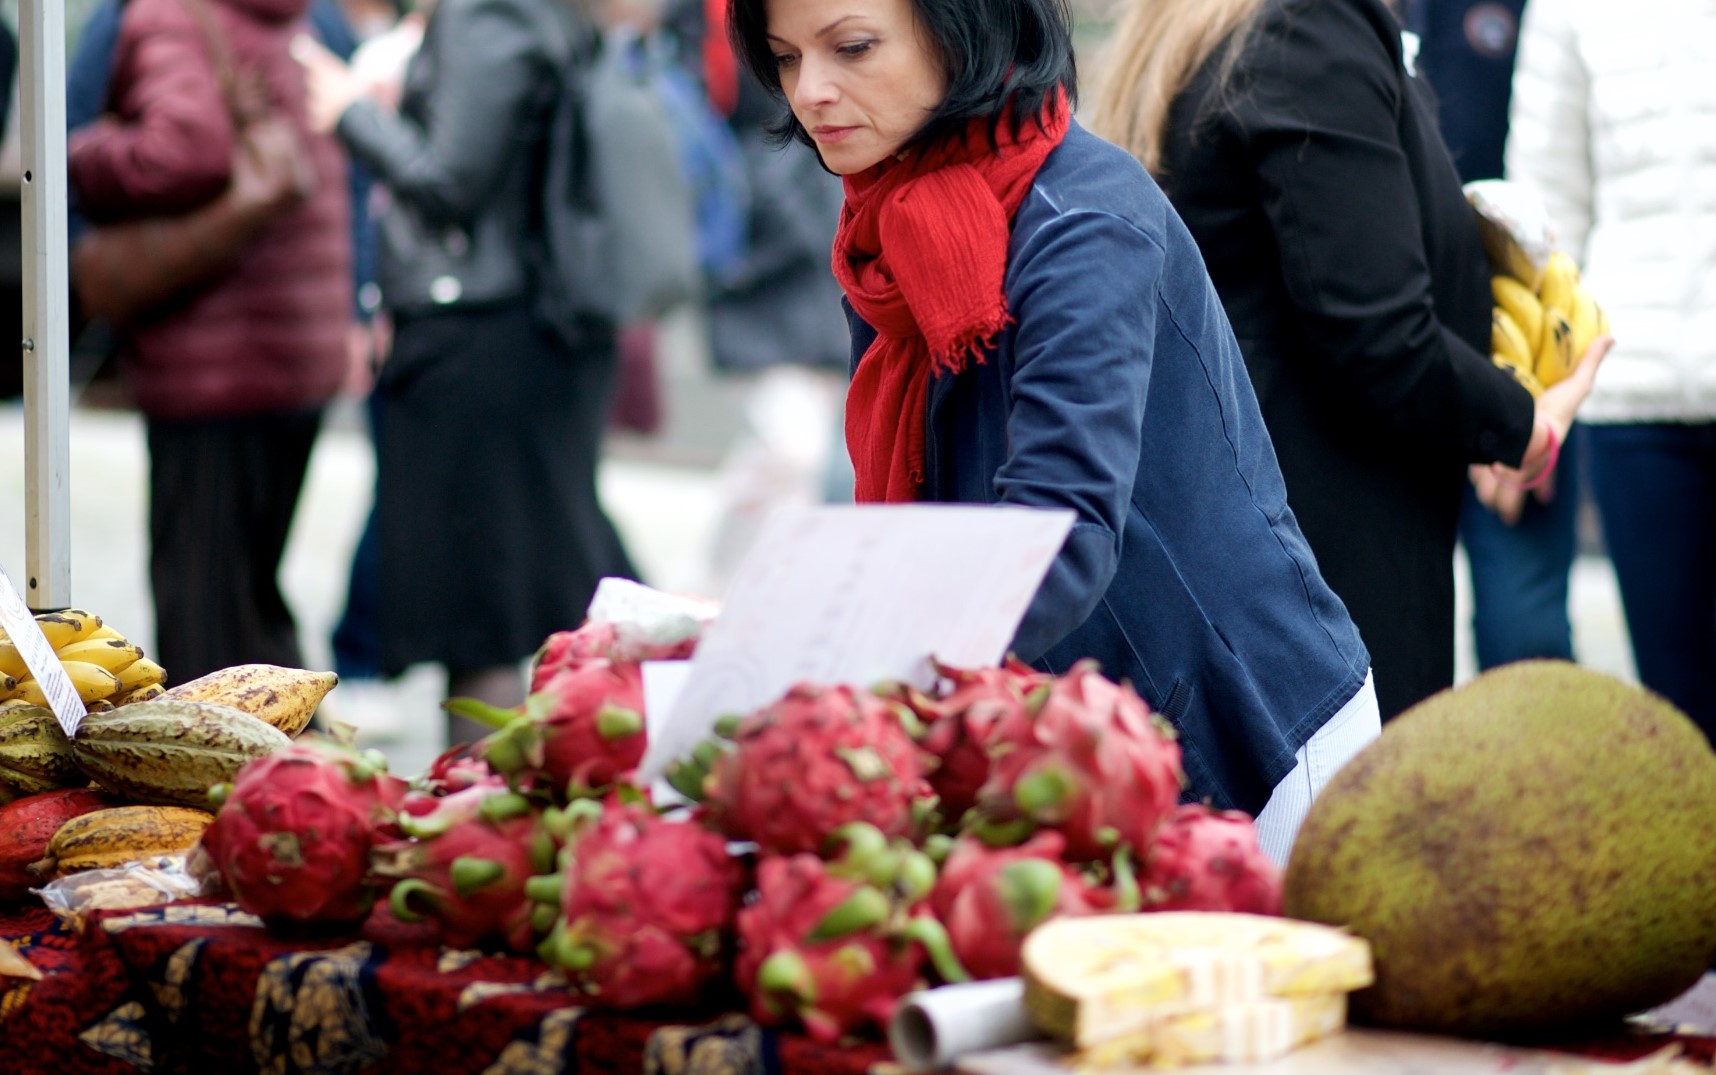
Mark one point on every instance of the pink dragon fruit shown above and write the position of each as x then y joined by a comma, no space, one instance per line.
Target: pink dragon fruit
989,898
598,639
816,760
960,721
1091,762
582,732
646,908
832,952
292,837
455,769
1209,860
466,865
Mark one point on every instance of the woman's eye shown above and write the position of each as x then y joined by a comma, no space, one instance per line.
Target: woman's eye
855,48
784,60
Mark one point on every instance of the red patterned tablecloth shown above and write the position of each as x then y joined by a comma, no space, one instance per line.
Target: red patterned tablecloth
203,988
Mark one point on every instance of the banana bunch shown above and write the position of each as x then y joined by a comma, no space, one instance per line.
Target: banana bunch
106,668
1538,336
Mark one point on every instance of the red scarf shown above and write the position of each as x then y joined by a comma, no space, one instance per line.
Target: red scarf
922,253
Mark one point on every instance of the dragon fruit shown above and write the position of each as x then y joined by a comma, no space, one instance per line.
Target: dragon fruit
466,863
596,639
646,906
960,720
1091,762
293,836
455,769
818,759
1209,860
989,898
581,733
833,952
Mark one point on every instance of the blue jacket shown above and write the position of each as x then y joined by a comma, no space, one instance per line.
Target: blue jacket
1119,392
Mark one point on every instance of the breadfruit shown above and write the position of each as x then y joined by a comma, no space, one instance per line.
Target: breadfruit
1528,853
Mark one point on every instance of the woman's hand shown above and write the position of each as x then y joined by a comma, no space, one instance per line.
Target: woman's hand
331,86
1502,489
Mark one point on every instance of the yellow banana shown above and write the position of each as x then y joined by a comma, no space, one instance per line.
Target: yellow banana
29,691
113,654
104,631
11,661
140,694
1521,305
1507,344
67,626
1555,358
91,680
142,672
1560,277
1588,320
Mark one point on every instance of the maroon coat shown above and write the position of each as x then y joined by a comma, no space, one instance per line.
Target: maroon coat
270,333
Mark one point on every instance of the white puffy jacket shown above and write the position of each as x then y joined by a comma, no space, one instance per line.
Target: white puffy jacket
1613,120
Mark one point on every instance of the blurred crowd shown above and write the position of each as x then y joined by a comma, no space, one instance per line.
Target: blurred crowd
279,203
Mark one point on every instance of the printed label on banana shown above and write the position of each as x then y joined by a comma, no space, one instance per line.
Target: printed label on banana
36,650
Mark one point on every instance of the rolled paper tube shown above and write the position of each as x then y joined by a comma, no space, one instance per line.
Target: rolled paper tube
935,1027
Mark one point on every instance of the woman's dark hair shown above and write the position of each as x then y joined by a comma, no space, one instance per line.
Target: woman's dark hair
995,52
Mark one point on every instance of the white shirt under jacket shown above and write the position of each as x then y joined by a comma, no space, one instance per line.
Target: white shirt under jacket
1613,119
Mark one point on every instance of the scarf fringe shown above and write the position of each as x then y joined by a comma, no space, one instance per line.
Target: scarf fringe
972,344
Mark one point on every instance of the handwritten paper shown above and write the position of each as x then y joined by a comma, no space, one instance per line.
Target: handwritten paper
39,656
860,594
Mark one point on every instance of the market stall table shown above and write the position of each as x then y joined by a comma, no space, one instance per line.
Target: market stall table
203,987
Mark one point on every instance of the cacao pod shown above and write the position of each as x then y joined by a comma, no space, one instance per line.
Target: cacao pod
27,825
170,752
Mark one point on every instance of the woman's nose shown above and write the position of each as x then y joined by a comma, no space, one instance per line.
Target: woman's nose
811,84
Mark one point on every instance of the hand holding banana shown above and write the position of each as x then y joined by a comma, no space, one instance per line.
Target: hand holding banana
1551,341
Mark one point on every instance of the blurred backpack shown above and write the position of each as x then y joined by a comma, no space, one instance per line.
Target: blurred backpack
618,230
713,164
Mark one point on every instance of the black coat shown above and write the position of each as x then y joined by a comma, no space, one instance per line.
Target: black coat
1334,227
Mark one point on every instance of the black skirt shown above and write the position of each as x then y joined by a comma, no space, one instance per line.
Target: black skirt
490,529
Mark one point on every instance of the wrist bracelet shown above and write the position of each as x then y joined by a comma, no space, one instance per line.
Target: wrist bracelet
1548,467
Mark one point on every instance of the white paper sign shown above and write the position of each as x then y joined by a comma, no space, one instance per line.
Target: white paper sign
21,627
861,594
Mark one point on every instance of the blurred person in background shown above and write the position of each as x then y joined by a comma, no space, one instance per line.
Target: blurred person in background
1520,552
491,533
1613,121
1302,152
776,331
232,377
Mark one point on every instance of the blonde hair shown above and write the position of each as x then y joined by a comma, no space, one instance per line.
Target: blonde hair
1157,48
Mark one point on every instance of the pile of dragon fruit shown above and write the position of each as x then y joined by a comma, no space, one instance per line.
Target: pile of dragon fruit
838,848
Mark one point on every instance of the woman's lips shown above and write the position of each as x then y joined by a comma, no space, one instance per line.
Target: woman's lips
830,135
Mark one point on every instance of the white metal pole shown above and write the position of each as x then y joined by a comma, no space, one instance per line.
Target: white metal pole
47,351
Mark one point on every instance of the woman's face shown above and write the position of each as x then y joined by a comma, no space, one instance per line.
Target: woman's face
861,75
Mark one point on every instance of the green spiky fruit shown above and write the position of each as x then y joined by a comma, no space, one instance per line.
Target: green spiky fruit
1527,853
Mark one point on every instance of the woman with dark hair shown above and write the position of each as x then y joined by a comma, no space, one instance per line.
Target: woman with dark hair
1031,325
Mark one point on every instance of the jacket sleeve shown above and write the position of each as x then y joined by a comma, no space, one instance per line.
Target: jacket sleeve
489,63
1082,362
1320,111
1548,146
167,145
